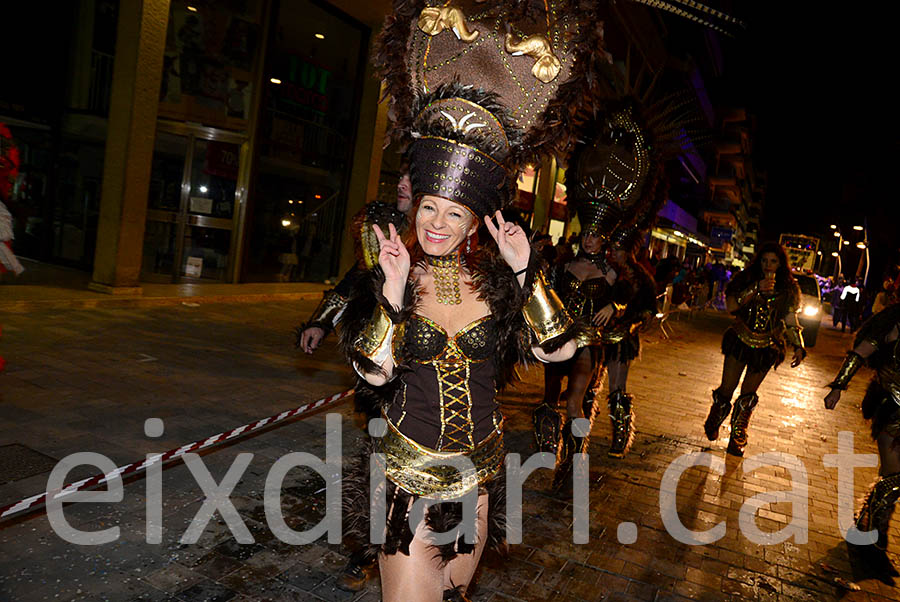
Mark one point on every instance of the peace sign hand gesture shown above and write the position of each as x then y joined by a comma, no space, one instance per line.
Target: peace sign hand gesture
392,255
511,240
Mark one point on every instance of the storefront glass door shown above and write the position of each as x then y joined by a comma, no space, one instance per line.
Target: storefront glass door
191,206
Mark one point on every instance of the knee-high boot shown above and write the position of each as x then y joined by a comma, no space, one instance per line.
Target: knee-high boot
740,421
547,428
878,505
718,412
569,445
621,418
588,407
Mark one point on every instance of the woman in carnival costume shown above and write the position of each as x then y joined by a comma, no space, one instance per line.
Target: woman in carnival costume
764,299
615,177
461,299
877,345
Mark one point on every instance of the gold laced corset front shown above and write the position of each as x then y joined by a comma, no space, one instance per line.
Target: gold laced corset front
445,406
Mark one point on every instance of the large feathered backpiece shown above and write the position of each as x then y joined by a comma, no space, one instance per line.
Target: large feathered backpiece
478,89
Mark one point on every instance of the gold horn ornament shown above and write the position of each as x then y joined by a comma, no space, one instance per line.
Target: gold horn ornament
435,20
546,66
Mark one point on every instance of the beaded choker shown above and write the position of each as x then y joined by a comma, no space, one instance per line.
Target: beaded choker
446,278
598,259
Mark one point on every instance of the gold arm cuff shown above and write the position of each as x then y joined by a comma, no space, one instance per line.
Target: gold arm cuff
746,295
422,471
369,245
544,312
326,313
850,367
374,337
794,336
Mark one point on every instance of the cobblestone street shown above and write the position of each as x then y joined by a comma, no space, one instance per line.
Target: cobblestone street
86,380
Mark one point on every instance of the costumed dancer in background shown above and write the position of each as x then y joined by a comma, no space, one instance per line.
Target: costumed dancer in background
585,285
877,345
451,312
615,182
606,177
635,305
764,299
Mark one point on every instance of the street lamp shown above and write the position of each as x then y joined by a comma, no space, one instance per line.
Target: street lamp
833,227
837,254
858,228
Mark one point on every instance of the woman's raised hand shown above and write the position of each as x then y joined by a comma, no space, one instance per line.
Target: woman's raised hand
511,240
392,255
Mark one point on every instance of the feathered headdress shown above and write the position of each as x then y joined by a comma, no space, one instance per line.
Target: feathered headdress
478,89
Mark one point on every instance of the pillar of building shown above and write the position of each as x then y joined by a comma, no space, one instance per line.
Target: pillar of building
134,101
546,188
367,153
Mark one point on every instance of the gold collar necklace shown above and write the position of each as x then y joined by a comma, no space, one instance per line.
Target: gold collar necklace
446,277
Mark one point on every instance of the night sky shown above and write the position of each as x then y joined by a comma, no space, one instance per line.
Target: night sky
817,76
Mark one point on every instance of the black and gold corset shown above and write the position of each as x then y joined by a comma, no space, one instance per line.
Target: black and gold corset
758,322
446,400
584,299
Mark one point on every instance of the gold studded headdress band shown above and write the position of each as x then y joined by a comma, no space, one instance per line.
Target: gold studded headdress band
461,137
457,172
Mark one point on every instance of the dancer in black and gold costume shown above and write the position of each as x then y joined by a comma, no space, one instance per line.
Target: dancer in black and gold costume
877,345
635,304
764,299
450,310
616,180
585,285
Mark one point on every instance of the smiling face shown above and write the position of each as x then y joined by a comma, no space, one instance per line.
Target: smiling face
769,263
442,225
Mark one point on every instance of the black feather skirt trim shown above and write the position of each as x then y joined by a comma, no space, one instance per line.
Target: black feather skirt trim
439,518
879,407
758,359
626,350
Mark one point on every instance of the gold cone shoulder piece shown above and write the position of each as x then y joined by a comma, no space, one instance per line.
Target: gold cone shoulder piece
544,312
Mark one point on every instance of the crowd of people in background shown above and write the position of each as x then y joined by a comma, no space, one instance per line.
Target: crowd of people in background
703,286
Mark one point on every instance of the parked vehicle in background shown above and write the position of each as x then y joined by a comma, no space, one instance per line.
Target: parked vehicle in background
801,249
810,306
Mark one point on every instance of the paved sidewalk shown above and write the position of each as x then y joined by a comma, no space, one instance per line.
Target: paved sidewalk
48,287
86,380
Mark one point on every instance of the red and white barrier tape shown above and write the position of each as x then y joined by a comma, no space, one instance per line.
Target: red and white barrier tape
173,454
